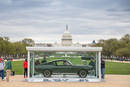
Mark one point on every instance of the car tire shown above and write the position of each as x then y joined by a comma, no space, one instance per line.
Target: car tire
82,73
47,73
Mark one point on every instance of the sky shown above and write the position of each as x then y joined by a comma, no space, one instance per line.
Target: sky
46,20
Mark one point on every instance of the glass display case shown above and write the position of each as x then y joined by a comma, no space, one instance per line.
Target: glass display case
64,64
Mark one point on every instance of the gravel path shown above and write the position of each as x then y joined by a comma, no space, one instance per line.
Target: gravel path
110,81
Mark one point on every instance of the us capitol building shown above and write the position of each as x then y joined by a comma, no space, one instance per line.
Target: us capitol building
66,40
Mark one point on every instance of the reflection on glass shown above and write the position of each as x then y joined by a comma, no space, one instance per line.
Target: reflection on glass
71,65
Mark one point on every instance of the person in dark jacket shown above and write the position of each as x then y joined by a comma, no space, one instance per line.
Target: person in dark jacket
102,68
25,65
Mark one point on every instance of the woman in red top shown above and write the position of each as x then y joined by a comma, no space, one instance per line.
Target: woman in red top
25,65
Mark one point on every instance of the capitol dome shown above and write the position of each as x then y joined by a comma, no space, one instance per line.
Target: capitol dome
66,38
67,35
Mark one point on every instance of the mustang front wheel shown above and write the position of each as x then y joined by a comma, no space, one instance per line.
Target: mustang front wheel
82,73
47,73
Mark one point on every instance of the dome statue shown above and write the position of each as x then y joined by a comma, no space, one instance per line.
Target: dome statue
66,38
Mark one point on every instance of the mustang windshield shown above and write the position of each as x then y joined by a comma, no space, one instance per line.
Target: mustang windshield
63,62
68,63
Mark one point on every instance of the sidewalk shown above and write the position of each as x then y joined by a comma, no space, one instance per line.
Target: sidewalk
118,61
110,81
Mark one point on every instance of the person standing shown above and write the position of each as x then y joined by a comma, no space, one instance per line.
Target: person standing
8,69
25,65
102,68
2,68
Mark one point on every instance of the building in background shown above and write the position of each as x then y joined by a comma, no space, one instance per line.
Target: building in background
66,40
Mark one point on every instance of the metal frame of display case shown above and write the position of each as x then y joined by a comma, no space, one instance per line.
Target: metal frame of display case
98,50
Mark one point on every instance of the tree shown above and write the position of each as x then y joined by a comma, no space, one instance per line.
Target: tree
126,38
123,52
20,48
109,46
4,47
28,42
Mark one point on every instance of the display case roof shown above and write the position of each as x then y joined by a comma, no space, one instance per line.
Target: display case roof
65,49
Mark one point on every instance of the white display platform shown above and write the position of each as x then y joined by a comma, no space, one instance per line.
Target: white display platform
60,78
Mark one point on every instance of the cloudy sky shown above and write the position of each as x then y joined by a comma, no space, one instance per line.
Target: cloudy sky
45,20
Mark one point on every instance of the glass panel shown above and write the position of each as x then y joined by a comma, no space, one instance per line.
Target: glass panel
31,64
71,64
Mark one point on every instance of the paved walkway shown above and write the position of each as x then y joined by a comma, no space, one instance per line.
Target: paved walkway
110,81
118,61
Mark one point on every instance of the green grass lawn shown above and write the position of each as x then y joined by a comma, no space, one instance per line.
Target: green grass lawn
17,66
111,67
117,68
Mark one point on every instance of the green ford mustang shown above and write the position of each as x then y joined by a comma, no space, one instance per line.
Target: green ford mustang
62,66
